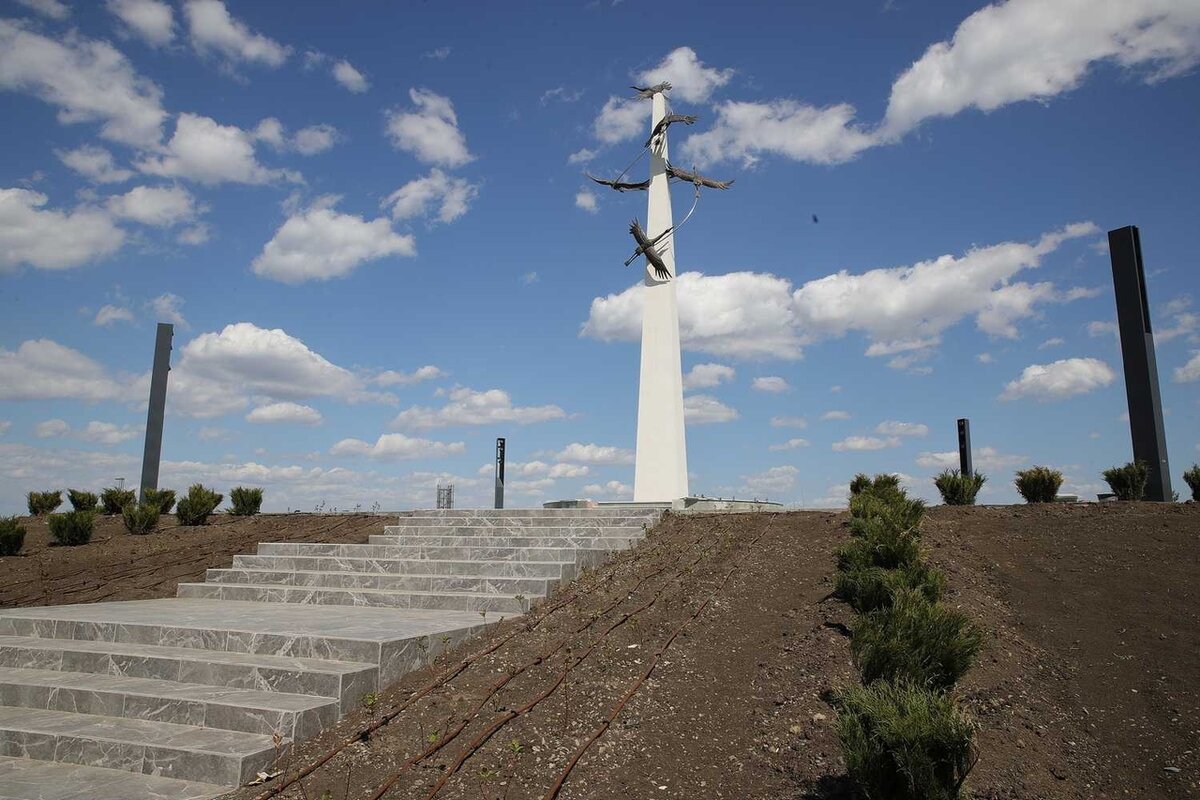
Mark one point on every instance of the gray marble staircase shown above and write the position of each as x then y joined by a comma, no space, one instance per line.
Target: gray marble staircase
183,698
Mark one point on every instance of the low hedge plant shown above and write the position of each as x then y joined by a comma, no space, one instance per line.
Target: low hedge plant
72,528
197,504
246,501
958,489
12,536
1038,484
42,503
1128,482
140,518
114,500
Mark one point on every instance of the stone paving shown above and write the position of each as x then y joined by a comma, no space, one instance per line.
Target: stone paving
184,698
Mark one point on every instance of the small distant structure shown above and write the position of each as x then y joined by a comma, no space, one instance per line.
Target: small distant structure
445,496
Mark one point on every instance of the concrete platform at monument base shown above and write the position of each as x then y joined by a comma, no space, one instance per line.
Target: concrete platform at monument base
184,698
685,504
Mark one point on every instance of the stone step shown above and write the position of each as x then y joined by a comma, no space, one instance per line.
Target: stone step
564,570
28,779
535,587
246,710
575,513
397,641
415,552
316,595
141,746
345,681
565,542
552,526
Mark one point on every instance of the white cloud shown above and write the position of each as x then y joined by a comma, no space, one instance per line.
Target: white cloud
450,196
315,139
585,199
109,314
160,206
397,447
770,383
1189,372
1059,380
690,80
49,238
702,409
561,94
88,80
210,433
621,118
832,415
203,150
393,377
1054,341
985,358
770,481
95,164
109,433
319,244
790,444
429,131
41,369
152,20
529,278
789,422
349,77
610,489
595,454
1182,324
471,407
982,458
212,29
5,424
706,376
438,53
892,428
855,443
581,156
534,469
54,9
51,429
166,308
795,130
285,412
194,234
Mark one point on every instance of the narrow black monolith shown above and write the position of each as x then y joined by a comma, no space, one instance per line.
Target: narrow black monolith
157,407
965,465
500,472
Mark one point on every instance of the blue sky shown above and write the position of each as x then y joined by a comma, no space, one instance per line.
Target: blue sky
371,228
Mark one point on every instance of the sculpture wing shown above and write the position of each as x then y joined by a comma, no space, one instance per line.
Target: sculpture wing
619,185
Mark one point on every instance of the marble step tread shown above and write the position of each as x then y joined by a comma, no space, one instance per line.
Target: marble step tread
409,566
386,598
27,779
567,542
177,751
487,584
401,551
532,512
612,523
246,710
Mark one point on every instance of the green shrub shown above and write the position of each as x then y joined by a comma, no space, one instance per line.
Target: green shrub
903,742
1038,484
914,640
898,511
860,482
886,547
958,489
870,588
882,485
114,500
1192,479
12,536
82,501
73,527
246,501
140,518
42,503
163,498
195,507
1128,482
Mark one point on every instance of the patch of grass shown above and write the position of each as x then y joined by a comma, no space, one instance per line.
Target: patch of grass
12,536
890,549
883,486
914,640
1128,482
83,501
1038,484
958,489
1192,479
141,518
197,504
902,742
898,511
114,500
72,528
163,498
42,503
246,501
871,588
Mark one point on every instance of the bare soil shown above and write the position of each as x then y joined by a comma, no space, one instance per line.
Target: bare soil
699,665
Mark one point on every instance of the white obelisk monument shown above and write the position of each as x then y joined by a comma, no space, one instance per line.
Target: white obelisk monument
660,471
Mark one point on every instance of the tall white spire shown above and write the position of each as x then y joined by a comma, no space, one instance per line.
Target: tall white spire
660,472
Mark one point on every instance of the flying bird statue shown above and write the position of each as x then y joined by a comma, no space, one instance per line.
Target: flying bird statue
646,92
621,186
667,121
646,245
696,178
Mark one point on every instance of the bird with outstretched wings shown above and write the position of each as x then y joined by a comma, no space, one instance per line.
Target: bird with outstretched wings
621,186
646,245
696,178
646,92
666,122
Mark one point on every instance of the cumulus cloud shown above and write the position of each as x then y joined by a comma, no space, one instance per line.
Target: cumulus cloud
109,314
52,239
561,94
160,206
585,199
203,150
790,444
770,383
706,376
746,131
41,369
213,30
594,454
702,409
988,458
470,407
94,163
855,443
581,156
393,377
609,489
86,79
51,429
835,415
167,308
307,141
789,422
397,447
621,118
285,412
690,79
1059,380
54,9
109,433
445,197
771,481
893,428
320,243
1189,372
429,130
349,77
151,20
